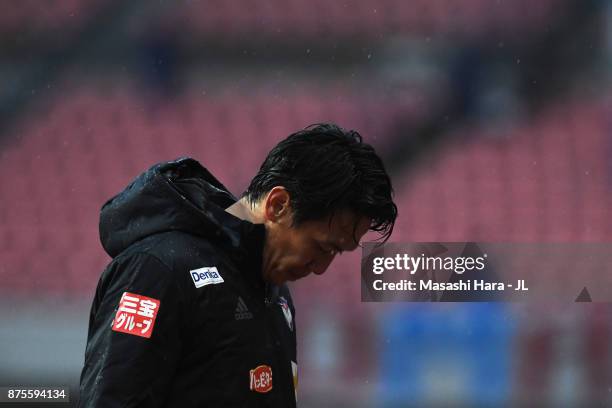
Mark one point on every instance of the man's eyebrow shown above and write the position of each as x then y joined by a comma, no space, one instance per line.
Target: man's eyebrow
334,245
338,248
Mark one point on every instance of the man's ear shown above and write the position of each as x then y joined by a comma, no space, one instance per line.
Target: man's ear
277,205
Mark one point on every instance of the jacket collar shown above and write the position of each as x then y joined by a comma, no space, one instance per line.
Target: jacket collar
246,246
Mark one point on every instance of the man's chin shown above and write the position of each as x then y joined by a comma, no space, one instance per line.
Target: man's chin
293,276
284,277
280,278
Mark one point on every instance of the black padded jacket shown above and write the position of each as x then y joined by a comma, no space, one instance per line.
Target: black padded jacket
181,316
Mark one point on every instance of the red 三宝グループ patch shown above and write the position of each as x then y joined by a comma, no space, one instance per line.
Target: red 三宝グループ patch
136,315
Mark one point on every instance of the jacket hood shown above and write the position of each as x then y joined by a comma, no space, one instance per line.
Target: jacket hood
179,195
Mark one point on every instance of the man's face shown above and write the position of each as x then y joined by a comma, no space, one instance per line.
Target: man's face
293,252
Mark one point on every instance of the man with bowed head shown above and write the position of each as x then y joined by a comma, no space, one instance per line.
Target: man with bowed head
194,309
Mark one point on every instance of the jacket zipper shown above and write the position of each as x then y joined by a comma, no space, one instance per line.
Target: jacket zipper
272,328
267,299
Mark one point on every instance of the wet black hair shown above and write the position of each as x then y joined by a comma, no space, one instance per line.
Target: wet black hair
326,169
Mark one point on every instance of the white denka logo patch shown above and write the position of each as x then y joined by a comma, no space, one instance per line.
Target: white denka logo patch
205,276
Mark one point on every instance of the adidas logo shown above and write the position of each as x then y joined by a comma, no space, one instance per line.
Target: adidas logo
242,311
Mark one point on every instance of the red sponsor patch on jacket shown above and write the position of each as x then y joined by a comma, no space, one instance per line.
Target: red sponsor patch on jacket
136,315
261,379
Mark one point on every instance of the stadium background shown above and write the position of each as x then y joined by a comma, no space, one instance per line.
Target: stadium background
492,116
